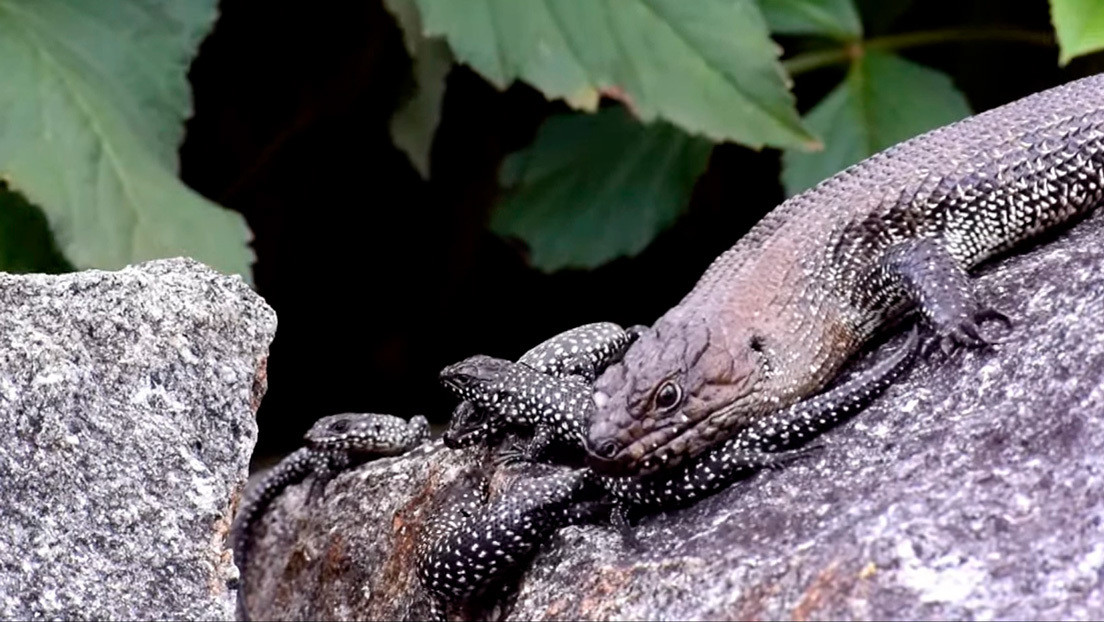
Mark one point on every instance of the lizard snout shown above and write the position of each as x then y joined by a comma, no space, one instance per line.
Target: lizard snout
605,453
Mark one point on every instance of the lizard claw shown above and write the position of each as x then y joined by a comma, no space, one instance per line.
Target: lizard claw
514,454
966,333
992,315
623,523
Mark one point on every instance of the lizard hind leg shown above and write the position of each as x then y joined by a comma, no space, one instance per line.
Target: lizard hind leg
944,294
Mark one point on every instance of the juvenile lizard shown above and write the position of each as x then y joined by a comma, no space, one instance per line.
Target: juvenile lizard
333,444
774,318
471,542
580,353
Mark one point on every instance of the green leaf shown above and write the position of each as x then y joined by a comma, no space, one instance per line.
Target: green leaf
92,101
837,19
884,100
1079,25
708,66
25,241
406,14
593,187
415,121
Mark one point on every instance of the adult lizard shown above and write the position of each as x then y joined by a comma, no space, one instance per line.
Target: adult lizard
333,444
774,318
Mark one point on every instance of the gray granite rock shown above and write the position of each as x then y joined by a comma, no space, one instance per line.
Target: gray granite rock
974,488
126,426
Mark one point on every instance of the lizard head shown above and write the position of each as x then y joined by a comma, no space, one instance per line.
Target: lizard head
679,390
476,380
367,433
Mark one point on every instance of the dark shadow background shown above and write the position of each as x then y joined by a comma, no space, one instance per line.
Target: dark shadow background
380,278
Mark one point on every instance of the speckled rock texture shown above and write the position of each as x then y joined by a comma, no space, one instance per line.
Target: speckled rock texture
126,426
974,488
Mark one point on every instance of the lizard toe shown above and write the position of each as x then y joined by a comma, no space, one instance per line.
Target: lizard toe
968,331
512,455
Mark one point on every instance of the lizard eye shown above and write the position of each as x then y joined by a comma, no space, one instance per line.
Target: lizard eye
668,396
340,425
606,449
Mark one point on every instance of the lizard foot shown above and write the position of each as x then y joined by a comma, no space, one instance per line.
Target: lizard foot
512,454
966,332
622,522
317,490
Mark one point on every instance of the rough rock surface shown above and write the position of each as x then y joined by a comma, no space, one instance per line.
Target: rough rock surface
126,425
974,488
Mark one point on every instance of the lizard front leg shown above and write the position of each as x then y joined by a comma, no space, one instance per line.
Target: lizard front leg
943,292
527,451
327,465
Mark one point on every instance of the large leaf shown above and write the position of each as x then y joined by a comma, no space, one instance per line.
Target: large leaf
883,100
1079,25
593,187
25,241
92,100
830,18
415,121
708,66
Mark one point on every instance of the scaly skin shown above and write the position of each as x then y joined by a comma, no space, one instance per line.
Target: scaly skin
499,402
582,353
333,444
469,546
470,542
774,318
504,387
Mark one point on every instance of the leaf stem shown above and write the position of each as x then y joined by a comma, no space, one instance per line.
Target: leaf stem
817,59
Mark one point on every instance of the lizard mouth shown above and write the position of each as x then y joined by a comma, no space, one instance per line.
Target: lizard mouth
453,385
656,450
457,438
